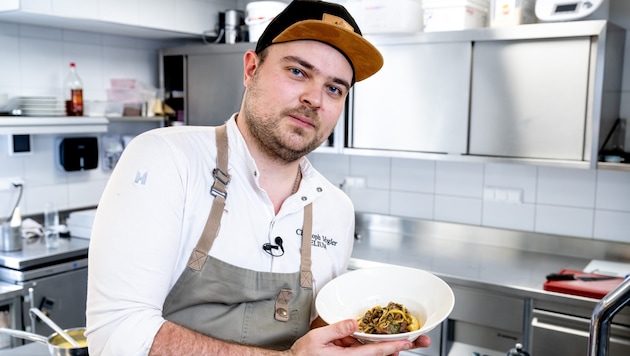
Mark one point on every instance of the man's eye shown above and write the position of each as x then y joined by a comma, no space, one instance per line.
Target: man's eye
296,71
335,90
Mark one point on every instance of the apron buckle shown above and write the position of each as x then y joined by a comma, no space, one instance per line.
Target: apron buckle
219,177
282,305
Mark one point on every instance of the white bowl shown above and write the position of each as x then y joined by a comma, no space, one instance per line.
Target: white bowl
350,295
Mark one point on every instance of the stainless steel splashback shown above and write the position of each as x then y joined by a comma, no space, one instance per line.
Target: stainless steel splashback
520,240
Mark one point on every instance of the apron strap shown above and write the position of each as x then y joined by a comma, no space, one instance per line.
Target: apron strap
221,180
306,276
210,231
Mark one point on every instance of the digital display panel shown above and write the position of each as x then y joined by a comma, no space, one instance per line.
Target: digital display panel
566,8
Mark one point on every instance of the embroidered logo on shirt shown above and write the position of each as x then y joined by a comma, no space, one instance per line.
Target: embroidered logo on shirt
321,241
318,240
141,178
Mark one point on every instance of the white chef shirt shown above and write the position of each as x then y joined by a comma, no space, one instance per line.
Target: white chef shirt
153,211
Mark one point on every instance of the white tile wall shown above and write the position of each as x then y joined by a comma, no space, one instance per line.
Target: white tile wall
574,202
375,169
613,191
413,175
566,187
459,179
463,210
34,61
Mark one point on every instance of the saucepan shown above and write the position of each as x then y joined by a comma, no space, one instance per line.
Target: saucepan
57,345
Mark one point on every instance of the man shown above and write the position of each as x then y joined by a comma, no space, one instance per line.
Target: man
203,242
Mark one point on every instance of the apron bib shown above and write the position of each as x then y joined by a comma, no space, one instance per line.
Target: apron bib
235,304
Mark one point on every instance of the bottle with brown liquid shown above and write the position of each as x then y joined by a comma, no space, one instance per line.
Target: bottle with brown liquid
74,92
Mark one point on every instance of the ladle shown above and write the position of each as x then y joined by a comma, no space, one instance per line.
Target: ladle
54,326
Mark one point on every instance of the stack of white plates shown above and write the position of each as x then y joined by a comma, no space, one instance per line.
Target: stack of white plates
41,106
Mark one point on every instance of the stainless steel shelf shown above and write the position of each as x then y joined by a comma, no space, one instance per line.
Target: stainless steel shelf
521,32
22,125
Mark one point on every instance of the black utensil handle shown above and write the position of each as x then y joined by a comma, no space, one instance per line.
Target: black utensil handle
560,277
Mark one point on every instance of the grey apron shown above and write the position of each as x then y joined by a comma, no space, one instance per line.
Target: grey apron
230,303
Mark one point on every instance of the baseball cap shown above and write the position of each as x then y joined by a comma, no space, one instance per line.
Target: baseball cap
325,22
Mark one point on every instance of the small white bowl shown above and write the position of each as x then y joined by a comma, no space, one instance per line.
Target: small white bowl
349,296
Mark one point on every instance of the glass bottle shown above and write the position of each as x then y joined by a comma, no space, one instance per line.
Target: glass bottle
74,92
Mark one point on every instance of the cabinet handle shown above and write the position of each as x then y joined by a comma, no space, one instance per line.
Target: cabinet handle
557,328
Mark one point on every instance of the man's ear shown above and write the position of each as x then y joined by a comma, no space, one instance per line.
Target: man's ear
250,64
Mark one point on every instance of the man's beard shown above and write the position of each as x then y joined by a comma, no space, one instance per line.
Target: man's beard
268,136
273,142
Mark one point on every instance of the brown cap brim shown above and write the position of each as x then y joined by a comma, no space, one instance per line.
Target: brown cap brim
362,55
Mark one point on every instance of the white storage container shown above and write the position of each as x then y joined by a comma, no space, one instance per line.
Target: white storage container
512,12
80,223
385,16
453,15
259,14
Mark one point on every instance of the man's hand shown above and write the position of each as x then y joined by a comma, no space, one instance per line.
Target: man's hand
335,339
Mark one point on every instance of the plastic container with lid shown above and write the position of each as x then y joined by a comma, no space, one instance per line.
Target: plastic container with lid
385,16
258,14
512,12
454,15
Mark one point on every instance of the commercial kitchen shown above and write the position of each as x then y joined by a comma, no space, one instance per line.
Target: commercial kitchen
514,167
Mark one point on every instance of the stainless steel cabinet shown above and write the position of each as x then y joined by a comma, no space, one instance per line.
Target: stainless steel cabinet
433,349
543,93
529,98
61,296
556,333
215,85
417,102
485,322
205,82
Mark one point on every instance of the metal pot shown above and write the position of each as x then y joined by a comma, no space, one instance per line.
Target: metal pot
57,345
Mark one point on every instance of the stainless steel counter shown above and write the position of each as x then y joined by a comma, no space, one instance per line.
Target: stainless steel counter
31,349
498,274
35,253
502,260
35,260
9,291
55,280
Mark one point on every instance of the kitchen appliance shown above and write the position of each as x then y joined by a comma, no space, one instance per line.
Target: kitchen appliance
53,280
231,26
78,153
565,10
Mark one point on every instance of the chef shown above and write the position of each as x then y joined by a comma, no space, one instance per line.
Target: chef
215,240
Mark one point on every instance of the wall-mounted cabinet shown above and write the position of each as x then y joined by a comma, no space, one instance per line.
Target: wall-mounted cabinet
418,101
542,93
529,98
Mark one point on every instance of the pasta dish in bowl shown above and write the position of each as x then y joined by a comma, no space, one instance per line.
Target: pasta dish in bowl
390,302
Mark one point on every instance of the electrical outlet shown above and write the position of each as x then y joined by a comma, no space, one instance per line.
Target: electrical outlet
8,183
503,195
358,182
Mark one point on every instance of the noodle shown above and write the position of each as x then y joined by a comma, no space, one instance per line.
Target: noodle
393,319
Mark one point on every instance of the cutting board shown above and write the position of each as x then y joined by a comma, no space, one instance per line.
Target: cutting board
589,289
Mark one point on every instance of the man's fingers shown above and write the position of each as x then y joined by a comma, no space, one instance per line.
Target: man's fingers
344,328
